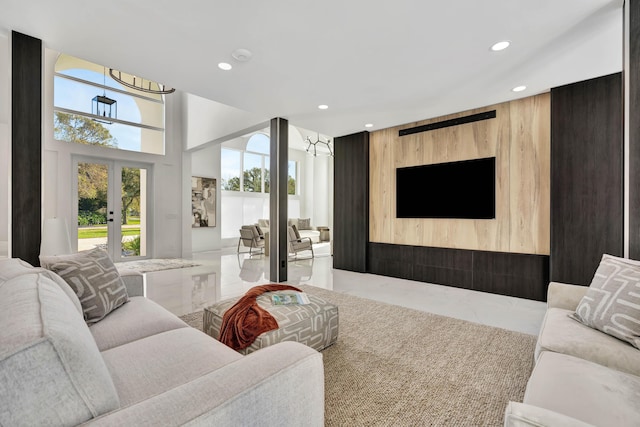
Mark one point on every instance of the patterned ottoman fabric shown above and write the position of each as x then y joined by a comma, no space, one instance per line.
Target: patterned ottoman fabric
314,324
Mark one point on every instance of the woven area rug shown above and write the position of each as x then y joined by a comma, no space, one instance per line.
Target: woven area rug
158,264
402,367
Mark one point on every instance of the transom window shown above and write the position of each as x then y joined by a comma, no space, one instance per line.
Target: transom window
254,164
138,126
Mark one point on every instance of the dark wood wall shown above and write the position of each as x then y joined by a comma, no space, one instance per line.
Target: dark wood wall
587,197
518,275
26,147
633,71
351,202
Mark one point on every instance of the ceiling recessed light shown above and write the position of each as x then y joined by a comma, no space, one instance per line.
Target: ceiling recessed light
519,88
323,107
500,45
368,125
225,66
242,55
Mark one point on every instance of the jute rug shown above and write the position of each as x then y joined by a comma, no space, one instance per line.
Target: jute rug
394,366
158,264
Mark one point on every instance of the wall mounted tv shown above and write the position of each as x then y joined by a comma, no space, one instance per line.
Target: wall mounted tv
465,190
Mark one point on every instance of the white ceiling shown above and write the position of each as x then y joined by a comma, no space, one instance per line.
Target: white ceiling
379,62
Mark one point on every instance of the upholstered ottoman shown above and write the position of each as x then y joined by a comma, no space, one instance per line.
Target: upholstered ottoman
314,324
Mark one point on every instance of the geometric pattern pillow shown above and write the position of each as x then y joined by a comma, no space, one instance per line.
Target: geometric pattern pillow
94,278
612,303
304,223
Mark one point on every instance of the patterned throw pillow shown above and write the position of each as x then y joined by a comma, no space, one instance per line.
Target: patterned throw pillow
612,303
94,278
304,223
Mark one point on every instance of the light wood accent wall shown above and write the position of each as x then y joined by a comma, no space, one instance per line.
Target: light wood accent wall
519,138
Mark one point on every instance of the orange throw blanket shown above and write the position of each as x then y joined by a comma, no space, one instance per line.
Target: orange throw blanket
245,320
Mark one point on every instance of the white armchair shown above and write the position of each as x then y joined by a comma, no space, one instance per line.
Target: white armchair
251,236
298,244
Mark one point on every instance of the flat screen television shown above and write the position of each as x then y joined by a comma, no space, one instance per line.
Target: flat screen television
465,190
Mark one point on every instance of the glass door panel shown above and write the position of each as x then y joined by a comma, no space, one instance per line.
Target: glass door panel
133,227
94,228
111,193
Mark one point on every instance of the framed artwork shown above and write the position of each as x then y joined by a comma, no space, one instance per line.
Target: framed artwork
203,202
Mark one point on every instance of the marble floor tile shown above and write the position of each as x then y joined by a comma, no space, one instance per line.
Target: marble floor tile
225,274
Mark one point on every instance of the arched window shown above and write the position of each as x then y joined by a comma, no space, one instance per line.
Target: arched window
137,124
258,143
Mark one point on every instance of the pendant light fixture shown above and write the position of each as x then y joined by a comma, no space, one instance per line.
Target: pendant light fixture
103,106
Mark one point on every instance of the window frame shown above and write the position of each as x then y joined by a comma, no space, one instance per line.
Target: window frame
129,93
264,171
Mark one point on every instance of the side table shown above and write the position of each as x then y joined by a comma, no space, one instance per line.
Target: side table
325,234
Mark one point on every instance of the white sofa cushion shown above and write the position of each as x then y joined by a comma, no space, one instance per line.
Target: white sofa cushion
13,267
584,390
152,365
51,371
137,319
612,303
281,385
314,235
561,334
523,415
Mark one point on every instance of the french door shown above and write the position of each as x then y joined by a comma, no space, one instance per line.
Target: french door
111,207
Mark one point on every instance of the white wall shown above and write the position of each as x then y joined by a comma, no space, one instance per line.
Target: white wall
166,183
322,188
5,145
211,121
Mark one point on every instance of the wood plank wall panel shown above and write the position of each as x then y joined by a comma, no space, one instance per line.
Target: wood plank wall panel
351,202
633,91
499,137
26,147
530,191
380,206
586,177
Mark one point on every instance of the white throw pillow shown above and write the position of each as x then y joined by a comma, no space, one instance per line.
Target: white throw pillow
612,303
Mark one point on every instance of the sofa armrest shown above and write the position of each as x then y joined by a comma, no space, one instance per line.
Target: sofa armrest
134,281
279,385
523,415
565,296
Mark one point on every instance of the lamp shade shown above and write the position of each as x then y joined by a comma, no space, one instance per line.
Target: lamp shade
55,237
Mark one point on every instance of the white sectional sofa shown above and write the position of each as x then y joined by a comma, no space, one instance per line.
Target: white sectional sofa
140,365
582,377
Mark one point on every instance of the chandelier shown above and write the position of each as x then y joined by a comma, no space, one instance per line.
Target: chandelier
312,146
139,83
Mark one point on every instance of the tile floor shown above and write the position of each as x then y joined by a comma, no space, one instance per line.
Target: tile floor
224,274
